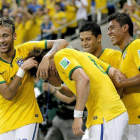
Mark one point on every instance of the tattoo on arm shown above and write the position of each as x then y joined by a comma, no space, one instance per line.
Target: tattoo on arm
10,89
54,49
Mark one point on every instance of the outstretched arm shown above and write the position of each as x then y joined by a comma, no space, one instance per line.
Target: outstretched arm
48,87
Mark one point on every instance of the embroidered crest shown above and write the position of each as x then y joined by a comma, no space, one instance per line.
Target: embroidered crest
65,62
19,61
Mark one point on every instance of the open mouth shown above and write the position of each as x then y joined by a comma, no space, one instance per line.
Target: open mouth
3,46
112,38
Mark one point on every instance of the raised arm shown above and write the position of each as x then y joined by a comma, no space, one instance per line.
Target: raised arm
55,46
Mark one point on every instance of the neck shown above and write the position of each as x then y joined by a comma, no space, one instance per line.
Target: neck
98,51
7,56
125,42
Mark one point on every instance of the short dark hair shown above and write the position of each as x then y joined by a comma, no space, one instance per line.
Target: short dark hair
38,54
7,22
122,19
91,26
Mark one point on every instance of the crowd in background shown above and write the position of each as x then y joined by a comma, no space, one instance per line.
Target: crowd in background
37,17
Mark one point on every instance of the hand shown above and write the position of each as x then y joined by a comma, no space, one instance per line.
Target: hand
54,78
76,127
118,78
29,63
48,87
43,69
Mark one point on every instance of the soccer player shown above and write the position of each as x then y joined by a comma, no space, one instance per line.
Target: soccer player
19,111
120,30
86,76
90,36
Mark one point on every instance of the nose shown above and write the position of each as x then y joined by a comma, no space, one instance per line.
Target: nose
108,32
1,39
84,43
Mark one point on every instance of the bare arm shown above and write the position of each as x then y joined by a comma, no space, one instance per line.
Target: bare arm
57,94
129,82
9,91
82,90
55,80
55,46
62,22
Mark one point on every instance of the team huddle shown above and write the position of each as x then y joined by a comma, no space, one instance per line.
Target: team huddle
106,81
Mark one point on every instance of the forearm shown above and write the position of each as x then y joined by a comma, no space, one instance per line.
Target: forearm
10,91
82,89
64,98
66,91
131,82
62,22
136,17
57,45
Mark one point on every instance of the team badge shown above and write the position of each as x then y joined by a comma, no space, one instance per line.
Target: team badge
139,53
65,62
124,55
19,61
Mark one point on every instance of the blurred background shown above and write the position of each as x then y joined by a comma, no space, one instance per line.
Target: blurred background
54,19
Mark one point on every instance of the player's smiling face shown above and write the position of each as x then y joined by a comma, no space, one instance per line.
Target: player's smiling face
6,39
89,42
115,31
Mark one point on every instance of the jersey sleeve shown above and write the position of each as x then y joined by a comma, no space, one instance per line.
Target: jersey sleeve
33,44
2,80
28,46
66,64
102,64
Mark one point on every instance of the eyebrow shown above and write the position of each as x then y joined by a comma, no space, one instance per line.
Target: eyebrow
110,26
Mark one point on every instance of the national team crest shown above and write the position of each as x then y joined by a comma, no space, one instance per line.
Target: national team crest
65,62
19,61
124,55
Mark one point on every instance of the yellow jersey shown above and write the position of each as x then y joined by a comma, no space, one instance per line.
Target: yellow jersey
101,3
20,31
59,16
71,15
111,57
130,66
103,100
23,108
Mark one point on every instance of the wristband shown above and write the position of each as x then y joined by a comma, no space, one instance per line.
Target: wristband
78,114
20,73
58,88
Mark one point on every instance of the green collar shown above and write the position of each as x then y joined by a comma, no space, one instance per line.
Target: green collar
11,60
126,47
101,53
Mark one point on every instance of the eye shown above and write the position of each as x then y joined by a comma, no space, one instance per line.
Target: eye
5,35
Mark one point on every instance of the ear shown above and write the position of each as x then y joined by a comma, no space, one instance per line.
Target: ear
14,36
99,37
125,28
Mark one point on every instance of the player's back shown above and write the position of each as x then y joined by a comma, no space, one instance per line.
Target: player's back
103,99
